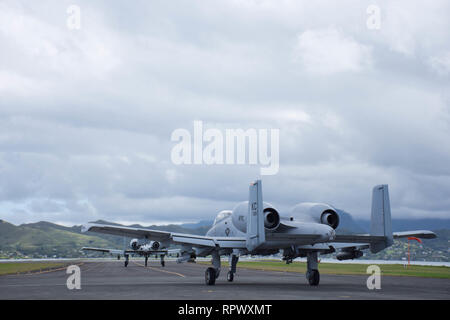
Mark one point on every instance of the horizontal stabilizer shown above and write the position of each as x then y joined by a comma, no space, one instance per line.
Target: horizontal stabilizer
367,238
423,234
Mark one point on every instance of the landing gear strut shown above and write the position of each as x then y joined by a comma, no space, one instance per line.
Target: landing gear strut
212,273
146,260
312,274
126,259
233,260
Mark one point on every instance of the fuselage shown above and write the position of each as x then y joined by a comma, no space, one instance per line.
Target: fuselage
302,220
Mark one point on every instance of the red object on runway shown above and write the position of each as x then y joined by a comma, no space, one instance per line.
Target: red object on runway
412,238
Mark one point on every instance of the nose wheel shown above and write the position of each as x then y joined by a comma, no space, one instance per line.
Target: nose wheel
210,276
312,273
230,276
313,277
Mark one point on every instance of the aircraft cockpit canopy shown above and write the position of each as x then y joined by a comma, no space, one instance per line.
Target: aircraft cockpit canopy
222,215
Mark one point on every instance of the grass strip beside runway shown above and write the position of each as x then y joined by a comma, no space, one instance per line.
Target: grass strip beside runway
25,267
352,269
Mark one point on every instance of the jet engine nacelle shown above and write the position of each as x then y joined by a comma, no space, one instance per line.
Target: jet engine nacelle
271,218
240,212
134,244
316,212
347,255
155,245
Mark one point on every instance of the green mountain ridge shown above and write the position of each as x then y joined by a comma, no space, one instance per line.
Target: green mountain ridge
45,240
41,240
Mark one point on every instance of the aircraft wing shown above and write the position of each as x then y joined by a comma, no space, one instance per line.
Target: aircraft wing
145,251
205,241
177,238
358,246
173,252
112,251
358,238
127,231
292,238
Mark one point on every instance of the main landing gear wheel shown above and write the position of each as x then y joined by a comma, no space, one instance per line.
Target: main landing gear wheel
210,276
163,264
230,276
126,263
314,277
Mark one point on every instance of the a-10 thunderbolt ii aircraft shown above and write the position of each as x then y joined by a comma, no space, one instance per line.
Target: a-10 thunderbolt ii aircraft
257,228
141,248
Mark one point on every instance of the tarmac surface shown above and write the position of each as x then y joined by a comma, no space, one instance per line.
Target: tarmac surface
111,280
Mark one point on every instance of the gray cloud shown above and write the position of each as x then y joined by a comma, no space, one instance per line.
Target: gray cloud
86,116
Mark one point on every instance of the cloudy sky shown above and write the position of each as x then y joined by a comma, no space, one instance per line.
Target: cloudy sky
86,115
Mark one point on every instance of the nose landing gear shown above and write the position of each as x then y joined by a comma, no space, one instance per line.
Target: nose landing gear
313,277
233,260
230,276
210,276
312,274
126,260
212,273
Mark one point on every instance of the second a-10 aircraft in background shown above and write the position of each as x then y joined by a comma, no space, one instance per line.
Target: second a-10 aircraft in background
140,248
257,228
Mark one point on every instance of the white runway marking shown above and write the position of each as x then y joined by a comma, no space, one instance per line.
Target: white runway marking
156,269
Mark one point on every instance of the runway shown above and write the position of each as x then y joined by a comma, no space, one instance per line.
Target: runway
111,280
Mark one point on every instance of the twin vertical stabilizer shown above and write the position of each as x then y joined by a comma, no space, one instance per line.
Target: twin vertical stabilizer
255,217
380,223
380,220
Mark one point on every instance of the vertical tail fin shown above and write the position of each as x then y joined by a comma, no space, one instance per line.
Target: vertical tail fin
255,217
380,223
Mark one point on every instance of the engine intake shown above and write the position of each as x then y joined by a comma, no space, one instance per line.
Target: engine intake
155,245
330,218
271,218
134,244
